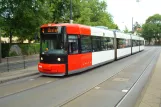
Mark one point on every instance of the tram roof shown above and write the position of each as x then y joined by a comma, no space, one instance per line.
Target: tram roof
72,28
63,24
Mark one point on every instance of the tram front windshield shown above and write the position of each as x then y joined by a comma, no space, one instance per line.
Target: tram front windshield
52,44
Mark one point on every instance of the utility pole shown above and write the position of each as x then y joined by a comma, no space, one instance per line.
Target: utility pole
133,19
132,25
71,21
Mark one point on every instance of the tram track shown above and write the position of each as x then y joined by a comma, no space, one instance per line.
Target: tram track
2,95
70,100
29,83
86,91
56,87
119,104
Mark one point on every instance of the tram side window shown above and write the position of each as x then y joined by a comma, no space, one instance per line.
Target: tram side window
86,44
108,43
135,43
141,42
103,46
96,44
128,43
138,42
73,44
111,44
121,43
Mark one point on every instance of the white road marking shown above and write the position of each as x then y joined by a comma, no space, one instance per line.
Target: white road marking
32,79
124,91
97,88
48,82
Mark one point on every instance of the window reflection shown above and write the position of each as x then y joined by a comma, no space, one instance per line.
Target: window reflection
73,44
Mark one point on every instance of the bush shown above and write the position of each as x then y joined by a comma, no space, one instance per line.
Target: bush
13,54
26,49
30,49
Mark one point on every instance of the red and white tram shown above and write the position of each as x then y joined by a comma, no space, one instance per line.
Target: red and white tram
71,48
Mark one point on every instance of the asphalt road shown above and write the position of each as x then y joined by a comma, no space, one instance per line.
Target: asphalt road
104,86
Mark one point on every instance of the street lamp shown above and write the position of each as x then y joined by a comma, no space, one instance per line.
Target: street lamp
71,21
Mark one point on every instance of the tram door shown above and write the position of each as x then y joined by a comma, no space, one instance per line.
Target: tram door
73,53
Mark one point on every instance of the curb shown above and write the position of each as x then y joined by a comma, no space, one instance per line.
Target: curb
148,98
18,77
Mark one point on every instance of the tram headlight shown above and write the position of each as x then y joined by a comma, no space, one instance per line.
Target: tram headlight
41,58
59,59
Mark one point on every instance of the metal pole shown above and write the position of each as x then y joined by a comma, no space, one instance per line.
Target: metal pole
115,45
71,21
137,13
132,25
24,65
7,65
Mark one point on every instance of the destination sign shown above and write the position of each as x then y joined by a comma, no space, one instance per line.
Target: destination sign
51,30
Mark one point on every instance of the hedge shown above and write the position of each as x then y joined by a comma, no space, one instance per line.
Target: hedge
26,49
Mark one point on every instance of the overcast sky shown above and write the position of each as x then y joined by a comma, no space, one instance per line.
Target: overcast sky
123,11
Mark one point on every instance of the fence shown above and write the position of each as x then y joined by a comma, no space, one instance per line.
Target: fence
17,62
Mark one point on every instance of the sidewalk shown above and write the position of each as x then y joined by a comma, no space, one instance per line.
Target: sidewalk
12,75
18,73
151,95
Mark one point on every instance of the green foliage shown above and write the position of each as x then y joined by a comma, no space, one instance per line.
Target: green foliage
126,30
88,12
27,49
23,19
24,49
93,12
152,28
12,54
154,19
136,25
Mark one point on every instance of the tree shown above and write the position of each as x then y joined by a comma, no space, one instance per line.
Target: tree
146,32
126,30
93,12
152,28
137,29
88,12
136,26
23,19
6,15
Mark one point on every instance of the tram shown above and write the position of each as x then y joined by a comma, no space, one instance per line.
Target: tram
71,48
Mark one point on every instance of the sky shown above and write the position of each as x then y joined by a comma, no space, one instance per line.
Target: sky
123,11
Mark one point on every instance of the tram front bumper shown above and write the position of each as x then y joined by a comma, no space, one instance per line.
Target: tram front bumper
51,68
